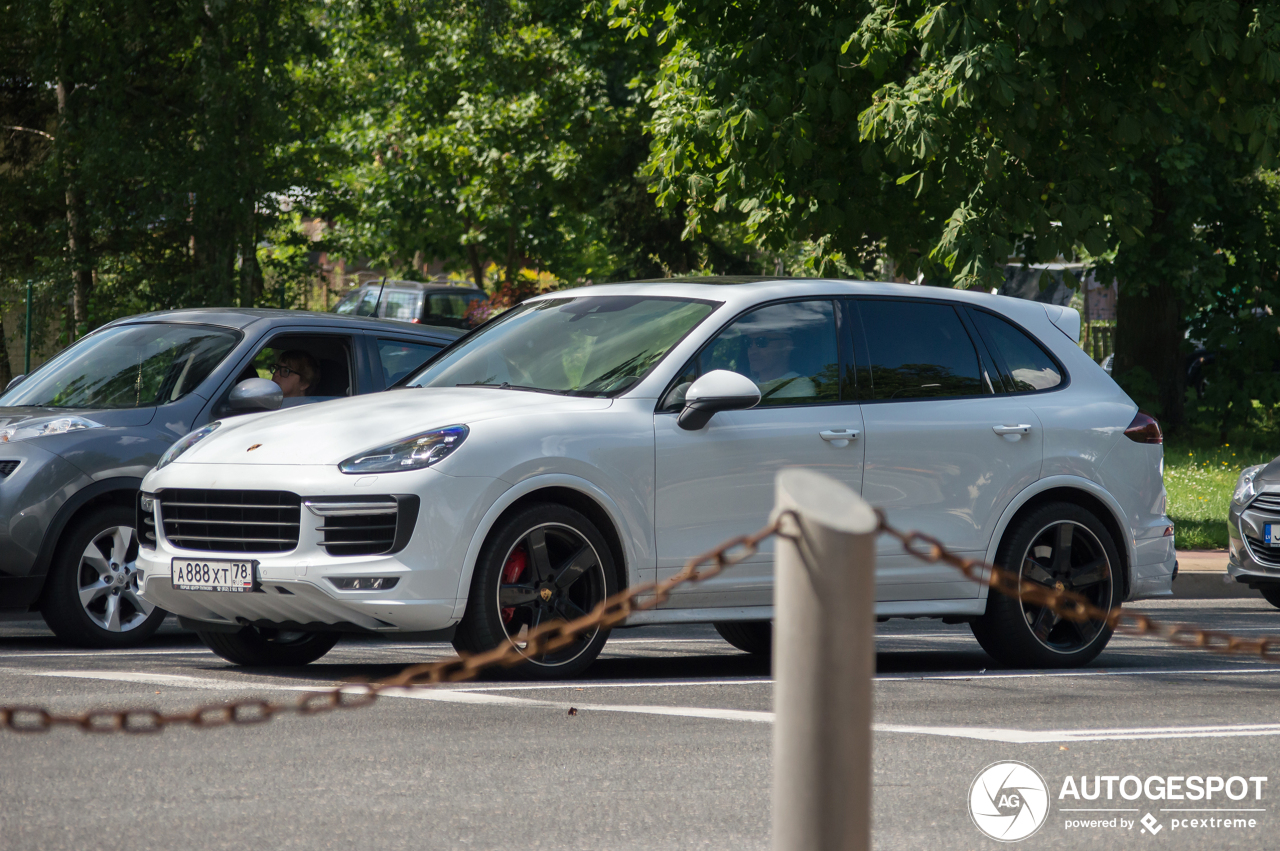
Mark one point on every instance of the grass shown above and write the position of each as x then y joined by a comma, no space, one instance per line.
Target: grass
1200,476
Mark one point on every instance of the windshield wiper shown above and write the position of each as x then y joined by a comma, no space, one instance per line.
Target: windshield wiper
507,386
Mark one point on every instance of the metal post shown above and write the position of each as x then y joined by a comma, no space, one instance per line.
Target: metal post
26,363
823,662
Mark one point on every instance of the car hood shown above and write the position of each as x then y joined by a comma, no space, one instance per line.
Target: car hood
329,433
1269,475
110,417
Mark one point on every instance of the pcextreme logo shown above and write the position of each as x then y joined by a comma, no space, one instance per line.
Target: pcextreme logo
1008,801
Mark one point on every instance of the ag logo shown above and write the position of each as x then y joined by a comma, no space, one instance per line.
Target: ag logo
1008,801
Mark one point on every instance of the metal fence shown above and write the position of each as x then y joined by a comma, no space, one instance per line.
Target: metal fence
1098,338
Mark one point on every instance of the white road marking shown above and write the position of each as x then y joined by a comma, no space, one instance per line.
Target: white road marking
109,653
1032,675
628,684
476,697
173,680
1025,737
436,695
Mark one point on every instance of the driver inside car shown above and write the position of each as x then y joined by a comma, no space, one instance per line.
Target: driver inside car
295,372
769,360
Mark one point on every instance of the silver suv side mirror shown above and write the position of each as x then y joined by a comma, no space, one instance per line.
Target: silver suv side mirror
255,394
718,390
13,382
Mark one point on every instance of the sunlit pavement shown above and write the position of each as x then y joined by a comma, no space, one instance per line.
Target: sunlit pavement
668,746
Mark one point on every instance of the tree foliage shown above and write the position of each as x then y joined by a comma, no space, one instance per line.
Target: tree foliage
958,134
149,146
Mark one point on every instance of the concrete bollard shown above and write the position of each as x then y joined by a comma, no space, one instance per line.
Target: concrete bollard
823,662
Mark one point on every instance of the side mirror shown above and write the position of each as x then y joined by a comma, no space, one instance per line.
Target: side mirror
255,394
15,381
718,390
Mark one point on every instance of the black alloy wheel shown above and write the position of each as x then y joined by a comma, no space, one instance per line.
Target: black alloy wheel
1059,546
547,563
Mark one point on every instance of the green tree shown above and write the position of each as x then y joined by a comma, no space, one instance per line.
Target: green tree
173,136
983,129
467,129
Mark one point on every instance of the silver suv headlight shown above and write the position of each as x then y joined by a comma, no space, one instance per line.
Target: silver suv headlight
44,426
186,443
412,453
1244,486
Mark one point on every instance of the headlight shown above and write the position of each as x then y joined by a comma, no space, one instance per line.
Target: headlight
412,453
43,426
1244,487
186,443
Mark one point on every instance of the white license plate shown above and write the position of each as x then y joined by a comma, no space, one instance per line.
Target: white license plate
204,575
1271,532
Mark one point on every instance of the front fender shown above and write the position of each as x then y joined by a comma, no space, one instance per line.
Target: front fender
628,533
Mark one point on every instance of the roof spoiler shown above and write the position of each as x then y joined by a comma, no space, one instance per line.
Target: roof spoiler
1067,320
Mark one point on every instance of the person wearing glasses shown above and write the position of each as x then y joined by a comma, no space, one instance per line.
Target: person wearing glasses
296,372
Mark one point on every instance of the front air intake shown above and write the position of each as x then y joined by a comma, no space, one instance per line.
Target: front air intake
230,521
364,526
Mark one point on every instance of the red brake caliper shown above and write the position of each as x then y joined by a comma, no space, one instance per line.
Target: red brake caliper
516,563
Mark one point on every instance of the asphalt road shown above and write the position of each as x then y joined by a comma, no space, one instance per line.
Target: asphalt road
669,747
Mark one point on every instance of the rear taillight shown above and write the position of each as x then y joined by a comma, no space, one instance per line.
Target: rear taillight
1144,429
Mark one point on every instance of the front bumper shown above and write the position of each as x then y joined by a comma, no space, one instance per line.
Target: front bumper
1251,561
31,496
294,588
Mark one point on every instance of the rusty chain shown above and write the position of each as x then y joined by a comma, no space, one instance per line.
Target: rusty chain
610,612
1075,607
545,638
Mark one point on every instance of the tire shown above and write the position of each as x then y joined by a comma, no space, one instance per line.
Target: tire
91,596
574,573
752,636
257,648
1060,545
1271,593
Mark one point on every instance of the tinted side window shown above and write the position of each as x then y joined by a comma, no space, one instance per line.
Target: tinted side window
919,350
398,358
788,350
1028,365
401,304
450,308
349,302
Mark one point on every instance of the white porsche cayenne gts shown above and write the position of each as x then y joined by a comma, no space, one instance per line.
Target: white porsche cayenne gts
599,437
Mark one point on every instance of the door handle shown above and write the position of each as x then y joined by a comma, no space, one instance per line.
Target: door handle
838,437
1013,429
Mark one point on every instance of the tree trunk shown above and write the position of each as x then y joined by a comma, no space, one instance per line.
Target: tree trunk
1148,340
477,271
511,269
77,243
251,284
6,371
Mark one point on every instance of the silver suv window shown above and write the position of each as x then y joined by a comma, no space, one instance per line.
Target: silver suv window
128,366
919,350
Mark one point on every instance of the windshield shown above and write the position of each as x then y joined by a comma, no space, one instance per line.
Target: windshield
128,366
580,346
